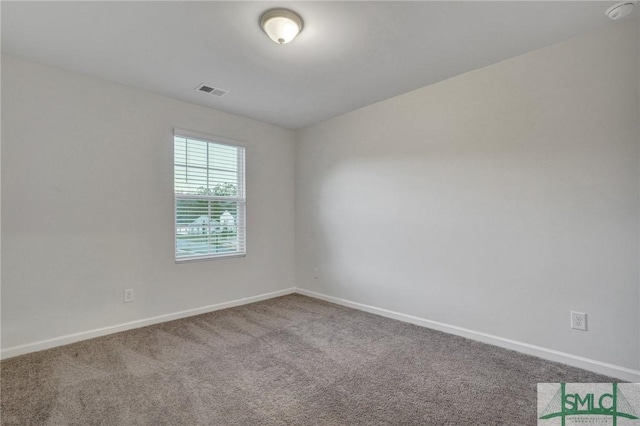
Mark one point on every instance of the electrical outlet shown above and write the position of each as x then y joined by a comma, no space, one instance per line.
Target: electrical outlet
316,273
579,320
128,295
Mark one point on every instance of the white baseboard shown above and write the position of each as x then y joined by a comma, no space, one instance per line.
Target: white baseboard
90,334
611,370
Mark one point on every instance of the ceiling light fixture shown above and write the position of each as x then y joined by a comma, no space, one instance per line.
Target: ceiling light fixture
281,25
620,10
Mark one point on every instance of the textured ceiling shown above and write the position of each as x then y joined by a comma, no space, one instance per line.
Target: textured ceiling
350,54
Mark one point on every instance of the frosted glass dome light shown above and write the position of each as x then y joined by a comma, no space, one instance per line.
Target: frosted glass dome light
281,25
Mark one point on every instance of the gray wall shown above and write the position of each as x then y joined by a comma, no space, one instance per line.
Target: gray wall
87,206
496,201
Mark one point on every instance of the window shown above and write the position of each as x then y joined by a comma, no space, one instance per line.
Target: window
209,197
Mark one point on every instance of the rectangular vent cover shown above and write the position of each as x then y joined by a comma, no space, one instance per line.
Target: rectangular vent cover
205,88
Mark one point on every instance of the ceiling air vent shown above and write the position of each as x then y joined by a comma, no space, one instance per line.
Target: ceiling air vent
211,90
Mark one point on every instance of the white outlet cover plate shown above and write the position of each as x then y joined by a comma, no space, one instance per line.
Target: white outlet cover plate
579,321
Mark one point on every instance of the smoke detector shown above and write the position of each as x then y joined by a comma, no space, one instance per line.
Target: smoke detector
620,10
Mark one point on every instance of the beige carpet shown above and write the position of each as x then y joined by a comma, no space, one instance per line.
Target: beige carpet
293,360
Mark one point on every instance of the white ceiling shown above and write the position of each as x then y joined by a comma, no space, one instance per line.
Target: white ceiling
350,54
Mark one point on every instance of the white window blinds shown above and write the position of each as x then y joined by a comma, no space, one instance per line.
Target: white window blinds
209,189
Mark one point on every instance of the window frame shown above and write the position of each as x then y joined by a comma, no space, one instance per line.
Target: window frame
241,199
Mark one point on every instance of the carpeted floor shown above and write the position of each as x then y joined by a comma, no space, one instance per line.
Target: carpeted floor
293,360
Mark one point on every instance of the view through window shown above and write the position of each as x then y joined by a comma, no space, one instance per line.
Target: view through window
209,198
